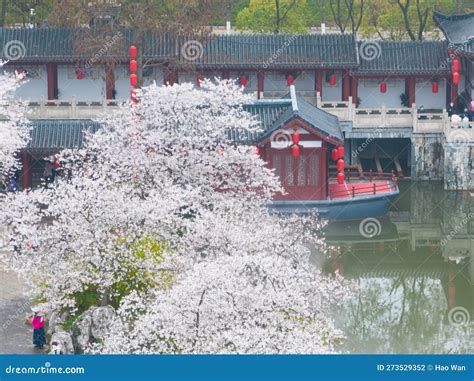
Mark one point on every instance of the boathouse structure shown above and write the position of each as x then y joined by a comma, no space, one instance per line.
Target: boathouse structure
389,99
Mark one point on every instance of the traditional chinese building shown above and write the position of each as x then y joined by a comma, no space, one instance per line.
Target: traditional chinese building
390,97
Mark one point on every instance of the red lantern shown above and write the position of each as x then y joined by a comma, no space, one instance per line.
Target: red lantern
199,79
257,150
133,80
340,165
243,80
332,80
80,74
133,52
290,80
340,152
334,154
295,151
383,87
456,65
133,95
434,87
456,78
133,66
340,178
295,137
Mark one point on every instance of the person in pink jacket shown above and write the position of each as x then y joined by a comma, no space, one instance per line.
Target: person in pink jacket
37,321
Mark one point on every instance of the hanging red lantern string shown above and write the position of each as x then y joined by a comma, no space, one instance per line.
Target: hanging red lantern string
340,152
340,165
383,87
133,52
334,154
295,150
133,80
295,137
456,65
434,87
133,66
456,78
133,96
340,178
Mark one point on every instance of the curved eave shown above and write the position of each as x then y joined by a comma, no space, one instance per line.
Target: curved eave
264,138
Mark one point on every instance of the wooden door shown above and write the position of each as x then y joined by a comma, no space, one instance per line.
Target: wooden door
304,177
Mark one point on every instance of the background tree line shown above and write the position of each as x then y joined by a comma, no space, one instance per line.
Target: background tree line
386,19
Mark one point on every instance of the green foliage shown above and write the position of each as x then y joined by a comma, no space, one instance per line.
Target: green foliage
261,16
132,277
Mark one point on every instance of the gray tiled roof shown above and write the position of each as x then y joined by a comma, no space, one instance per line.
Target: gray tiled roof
458,29
279,51
52,134
232,51
274,114
403,57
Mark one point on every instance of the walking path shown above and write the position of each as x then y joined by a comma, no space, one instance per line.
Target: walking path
15,336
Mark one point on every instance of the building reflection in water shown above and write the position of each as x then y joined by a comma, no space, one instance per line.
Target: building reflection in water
415,272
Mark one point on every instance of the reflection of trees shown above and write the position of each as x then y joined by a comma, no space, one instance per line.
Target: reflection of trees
400,315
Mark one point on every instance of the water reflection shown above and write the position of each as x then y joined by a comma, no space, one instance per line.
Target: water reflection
415,275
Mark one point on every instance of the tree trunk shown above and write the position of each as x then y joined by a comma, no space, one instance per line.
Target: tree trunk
277,25
4,13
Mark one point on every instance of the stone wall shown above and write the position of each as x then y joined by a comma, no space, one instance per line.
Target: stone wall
458,166
427,157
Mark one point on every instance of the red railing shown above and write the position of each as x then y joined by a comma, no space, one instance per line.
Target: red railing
378,183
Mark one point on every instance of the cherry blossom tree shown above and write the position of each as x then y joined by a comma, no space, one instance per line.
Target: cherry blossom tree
13,133
163,215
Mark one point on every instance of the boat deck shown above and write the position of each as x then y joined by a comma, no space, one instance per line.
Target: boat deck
350,190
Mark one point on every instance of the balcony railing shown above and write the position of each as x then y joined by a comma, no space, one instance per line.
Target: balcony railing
429,121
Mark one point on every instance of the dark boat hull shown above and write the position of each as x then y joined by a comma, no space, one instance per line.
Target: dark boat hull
353,208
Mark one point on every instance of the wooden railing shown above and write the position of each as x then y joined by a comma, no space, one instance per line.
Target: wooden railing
387,182
434,121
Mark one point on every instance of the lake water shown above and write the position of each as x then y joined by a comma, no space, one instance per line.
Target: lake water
414,270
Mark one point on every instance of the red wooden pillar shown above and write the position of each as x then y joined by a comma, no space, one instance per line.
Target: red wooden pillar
25,170
52,78
411,90
345,86
324,183
226,74
260,80
454,92
318,81
354,85
109,82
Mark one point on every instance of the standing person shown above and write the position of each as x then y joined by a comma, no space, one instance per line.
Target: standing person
451,109
37,321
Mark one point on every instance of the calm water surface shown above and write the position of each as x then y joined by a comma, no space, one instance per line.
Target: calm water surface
414,270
